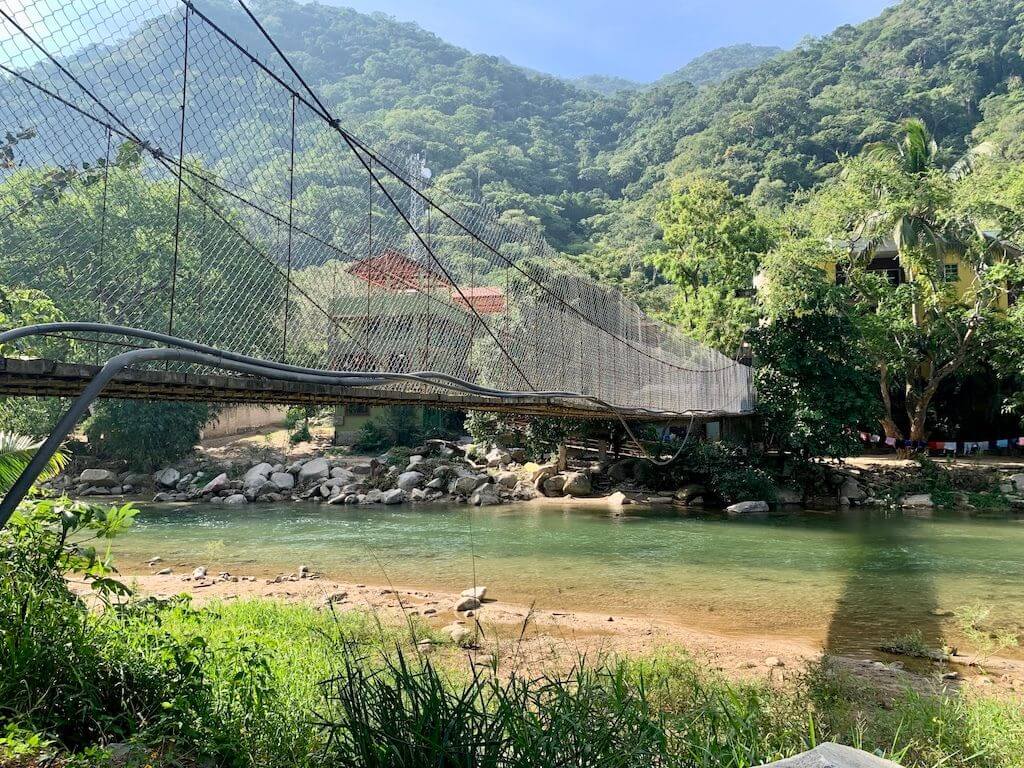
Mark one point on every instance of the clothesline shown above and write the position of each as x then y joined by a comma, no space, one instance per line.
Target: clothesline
950,446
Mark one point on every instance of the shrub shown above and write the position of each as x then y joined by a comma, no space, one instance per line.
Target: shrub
145,434
396,426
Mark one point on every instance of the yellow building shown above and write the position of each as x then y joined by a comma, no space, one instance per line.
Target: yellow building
955,270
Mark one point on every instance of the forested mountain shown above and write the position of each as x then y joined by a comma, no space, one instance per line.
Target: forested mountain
605,85
714,66
590,167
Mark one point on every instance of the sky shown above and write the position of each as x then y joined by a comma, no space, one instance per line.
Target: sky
637,39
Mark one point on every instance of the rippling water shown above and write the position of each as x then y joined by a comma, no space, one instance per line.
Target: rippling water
845,580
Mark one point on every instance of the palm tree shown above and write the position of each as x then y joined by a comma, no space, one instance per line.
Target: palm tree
16,451
917,152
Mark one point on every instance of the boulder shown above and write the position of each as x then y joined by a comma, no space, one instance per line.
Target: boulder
1018,481
340,473
506,479
136,479
466,603
283,480
219,483
442,471
477,592
747,507
409,480
688,493
498,456
464,486
314,470
257,474
553,485
235,499
417,494
852,490
437,484
295,467
413,461
373,496
167,478
543,472
788,497
919,500
162,498
459,634
576,484
484,497
394,496
833,756
199,573
524,492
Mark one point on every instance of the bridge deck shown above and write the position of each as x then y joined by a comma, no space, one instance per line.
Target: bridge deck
47,378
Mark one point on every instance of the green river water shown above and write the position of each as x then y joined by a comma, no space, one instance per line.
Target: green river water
846,581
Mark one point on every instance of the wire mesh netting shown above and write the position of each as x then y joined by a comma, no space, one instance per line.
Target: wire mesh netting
162,173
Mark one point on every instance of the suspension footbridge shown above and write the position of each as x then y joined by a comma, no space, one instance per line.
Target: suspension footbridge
190,219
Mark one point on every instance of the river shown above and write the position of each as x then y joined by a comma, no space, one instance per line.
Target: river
845,581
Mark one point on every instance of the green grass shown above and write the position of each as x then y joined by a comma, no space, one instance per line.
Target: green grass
258,683
289,685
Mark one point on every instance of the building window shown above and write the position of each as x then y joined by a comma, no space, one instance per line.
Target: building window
951,273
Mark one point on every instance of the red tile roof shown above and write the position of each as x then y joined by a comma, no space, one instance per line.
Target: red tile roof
487,300
394,271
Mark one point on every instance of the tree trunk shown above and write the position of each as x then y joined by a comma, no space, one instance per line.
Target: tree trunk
887,421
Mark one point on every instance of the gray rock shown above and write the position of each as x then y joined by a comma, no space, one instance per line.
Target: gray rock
1018,480
164,572
437,484
314,469
199,573
294,467
788,497
219,483
524,492
506,479
576,484
458,633
136,479
747,507
497,456
283,480
466,603
441,471
1006,488
167,478
688,493
257,474
409,480
373,496
99,478
553,485
236,499
484,497
477,592
394,496
830,755
543,472
464,486
920,500
852,490
417,494
413,461
342,474
162,498
360,469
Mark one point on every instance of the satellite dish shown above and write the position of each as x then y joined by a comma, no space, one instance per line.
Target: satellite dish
426,173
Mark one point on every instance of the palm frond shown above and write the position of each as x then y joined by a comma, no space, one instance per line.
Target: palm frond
16,451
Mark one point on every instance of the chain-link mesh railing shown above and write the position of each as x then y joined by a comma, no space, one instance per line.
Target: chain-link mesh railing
165,169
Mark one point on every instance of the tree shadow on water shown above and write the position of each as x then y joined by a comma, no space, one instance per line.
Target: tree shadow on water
888,591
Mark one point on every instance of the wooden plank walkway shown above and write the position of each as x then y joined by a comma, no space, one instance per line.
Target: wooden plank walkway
48,378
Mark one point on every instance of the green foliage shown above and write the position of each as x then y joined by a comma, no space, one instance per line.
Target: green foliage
713,245
715,66
814,385
399,425
728,470
16,451
145,434
540,437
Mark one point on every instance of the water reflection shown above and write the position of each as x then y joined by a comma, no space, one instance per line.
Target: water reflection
889,587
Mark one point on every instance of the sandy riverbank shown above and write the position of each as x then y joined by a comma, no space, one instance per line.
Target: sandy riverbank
556,638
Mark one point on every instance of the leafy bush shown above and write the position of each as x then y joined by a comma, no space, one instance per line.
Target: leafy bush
396,426
540,437
730,471
145,434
